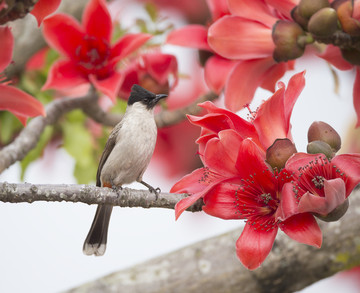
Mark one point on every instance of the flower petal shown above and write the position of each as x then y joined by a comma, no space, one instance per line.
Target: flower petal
243,81
235,37
335,195
356,95
273,74
350,165
303,228
288,204
63,74
96,13
270,119
253,246
192,36
283,6
19,103
160,66
217,70
218,8
108,86
127,45
63,33
43,8
219,202
255,10
333,55
7,46
221,153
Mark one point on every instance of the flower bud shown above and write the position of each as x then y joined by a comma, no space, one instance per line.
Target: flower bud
279,152
351,55
349,24
285,36
335,214
320,147
324,22
309,7
152,85
302,21
322,131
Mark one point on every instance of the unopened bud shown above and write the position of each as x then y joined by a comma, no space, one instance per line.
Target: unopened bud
322,131
279,152
335,214
302,21
324,22
349,24
309,7
320,147
351,55
285,35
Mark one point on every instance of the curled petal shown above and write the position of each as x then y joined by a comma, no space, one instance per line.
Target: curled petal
192,36
63,33
221,154
253,246
273,74
283,6
19,103
303,228
160,66
288,204
235,37
190,183
95,13
218,8
213,122
43,8
127,45
109,86
217,70
7,45
63,74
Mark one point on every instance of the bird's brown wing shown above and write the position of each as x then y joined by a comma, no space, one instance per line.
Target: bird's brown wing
107,150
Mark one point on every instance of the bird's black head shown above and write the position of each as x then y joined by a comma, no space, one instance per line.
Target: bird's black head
139,94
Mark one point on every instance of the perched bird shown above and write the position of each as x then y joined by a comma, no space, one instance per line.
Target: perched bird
125,158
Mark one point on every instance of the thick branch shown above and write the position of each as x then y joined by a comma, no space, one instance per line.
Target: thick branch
212,266
89,194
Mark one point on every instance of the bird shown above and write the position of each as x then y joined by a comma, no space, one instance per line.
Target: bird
126,155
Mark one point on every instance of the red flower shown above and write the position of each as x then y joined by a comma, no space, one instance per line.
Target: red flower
246,36
89,56
21,104
272,119
152,71
43,8
320,184
237,184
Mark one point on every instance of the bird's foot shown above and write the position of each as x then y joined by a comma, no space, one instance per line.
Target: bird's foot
152,189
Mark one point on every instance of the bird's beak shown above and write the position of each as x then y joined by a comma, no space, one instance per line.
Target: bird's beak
159,97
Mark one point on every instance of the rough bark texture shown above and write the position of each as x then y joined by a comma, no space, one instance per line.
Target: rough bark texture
90,194
212,266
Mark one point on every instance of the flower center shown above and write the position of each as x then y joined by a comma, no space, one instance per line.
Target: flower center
318,181
93,57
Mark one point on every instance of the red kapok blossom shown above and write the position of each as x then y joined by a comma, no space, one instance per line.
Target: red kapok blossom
152,71
21,104
320,184
246,189
88,53
246,36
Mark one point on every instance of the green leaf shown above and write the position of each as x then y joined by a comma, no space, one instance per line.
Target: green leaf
79,143
9,126
35,153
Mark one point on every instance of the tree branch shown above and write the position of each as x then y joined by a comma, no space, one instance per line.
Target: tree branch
212,266
90,194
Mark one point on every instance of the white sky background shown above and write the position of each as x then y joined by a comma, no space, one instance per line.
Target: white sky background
41,243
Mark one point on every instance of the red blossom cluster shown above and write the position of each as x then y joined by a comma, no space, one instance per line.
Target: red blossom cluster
238,182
